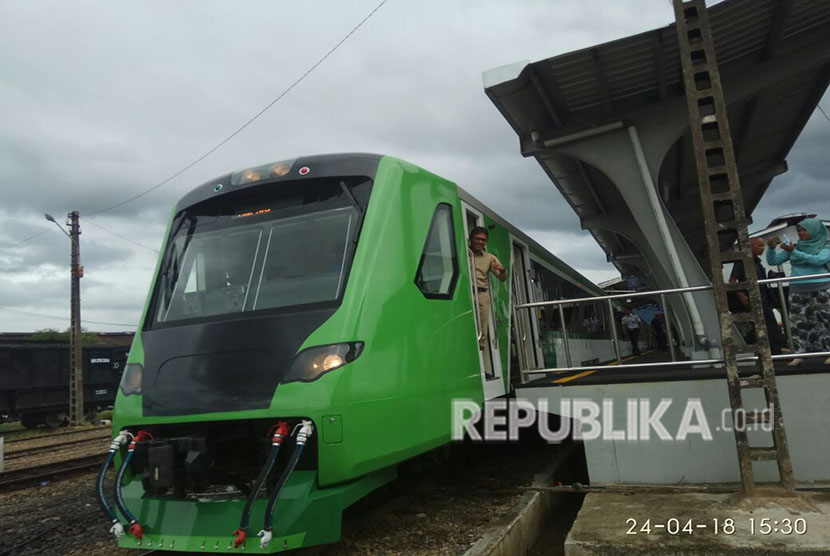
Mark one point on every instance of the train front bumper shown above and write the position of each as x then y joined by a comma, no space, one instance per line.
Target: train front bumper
306,515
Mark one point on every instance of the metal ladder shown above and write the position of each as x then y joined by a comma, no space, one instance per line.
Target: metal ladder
725,222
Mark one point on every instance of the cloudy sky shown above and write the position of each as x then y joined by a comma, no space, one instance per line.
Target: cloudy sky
101,102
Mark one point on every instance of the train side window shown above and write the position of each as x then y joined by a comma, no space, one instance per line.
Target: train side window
438,267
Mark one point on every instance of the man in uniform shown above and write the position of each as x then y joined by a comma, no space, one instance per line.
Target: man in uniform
631,325
485,263
739,303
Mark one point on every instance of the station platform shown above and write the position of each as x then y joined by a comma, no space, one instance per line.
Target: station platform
696,523
626,444
612,374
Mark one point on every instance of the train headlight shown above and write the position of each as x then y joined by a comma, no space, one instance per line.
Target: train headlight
131,379
310,364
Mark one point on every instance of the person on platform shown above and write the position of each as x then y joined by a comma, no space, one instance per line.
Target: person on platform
631,325
485,263
590,324
809,299
658,324
740,302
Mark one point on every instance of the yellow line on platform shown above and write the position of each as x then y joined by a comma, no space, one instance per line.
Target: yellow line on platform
573,377
586,373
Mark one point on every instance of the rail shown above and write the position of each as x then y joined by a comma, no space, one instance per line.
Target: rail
560,304
52,470
45,448
689,363
27,434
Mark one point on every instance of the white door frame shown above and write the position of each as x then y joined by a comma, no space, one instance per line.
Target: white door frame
533,322
494,386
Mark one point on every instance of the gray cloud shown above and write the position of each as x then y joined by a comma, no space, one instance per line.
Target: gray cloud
103,102
804,188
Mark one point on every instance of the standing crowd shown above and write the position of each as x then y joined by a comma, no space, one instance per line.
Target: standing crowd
809,299
809,307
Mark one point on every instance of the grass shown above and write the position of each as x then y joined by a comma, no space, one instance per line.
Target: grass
106,414
11,427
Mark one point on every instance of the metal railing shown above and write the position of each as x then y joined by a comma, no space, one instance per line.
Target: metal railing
690,362
562,303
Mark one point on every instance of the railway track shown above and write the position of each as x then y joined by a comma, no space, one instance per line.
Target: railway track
30,539
17,478
23,452
11,437
433,494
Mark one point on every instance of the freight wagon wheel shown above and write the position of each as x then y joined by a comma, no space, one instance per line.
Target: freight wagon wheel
91,416
53,420
31,421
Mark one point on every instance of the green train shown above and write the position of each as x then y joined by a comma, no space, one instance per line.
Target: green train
324,303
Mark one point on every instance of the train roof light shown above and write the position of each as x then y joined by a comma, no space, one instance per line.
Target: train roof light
249,176
280,169
263,172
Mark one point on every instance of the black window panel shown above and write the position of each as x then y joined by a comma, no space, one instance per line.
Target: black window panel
438,268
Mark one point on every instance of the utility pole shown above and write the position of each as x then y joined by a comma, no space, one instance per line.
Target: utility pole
76,368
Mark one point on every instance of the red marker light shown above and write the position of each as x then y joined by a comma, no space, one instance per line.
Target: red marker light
304,170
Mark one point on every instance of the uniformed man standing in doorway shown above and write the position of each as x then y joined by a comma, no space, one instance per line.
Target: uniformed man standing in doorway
485,263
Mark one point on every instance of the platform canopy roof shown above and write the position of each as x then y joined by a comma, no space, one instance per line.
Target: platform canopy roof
781,45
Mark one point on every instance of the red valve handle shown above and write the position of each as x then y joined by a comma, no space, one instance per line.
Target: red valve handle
240,535
281,432
136,530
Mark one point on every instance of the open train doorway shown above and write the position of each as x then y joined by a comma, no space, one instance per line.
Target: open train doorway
488,354
526,351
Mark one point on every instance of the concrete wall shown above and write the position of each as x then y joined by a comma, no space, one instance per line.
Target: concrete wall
805,400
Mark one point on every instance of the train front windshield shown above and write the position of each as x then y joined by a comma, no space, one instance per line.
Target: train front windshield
280,245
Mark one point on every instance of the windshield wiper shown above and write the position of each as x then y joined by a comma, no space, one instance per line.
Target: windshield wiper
348,192
172,269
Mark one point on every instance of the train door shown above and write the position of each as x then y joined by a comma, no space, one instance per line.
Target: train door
546,286
489,357
524,328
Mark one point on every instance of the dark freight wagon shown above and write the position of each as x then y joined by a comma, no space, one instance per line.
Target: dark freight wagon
34,380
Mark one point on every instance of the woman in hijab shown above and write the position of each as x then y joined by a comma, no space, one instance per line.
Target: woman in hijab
809,299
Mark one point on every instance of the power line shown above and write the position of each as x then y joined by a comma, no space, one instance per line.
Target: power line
823,112
88,221
44,230
22,241
56,317
246,124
